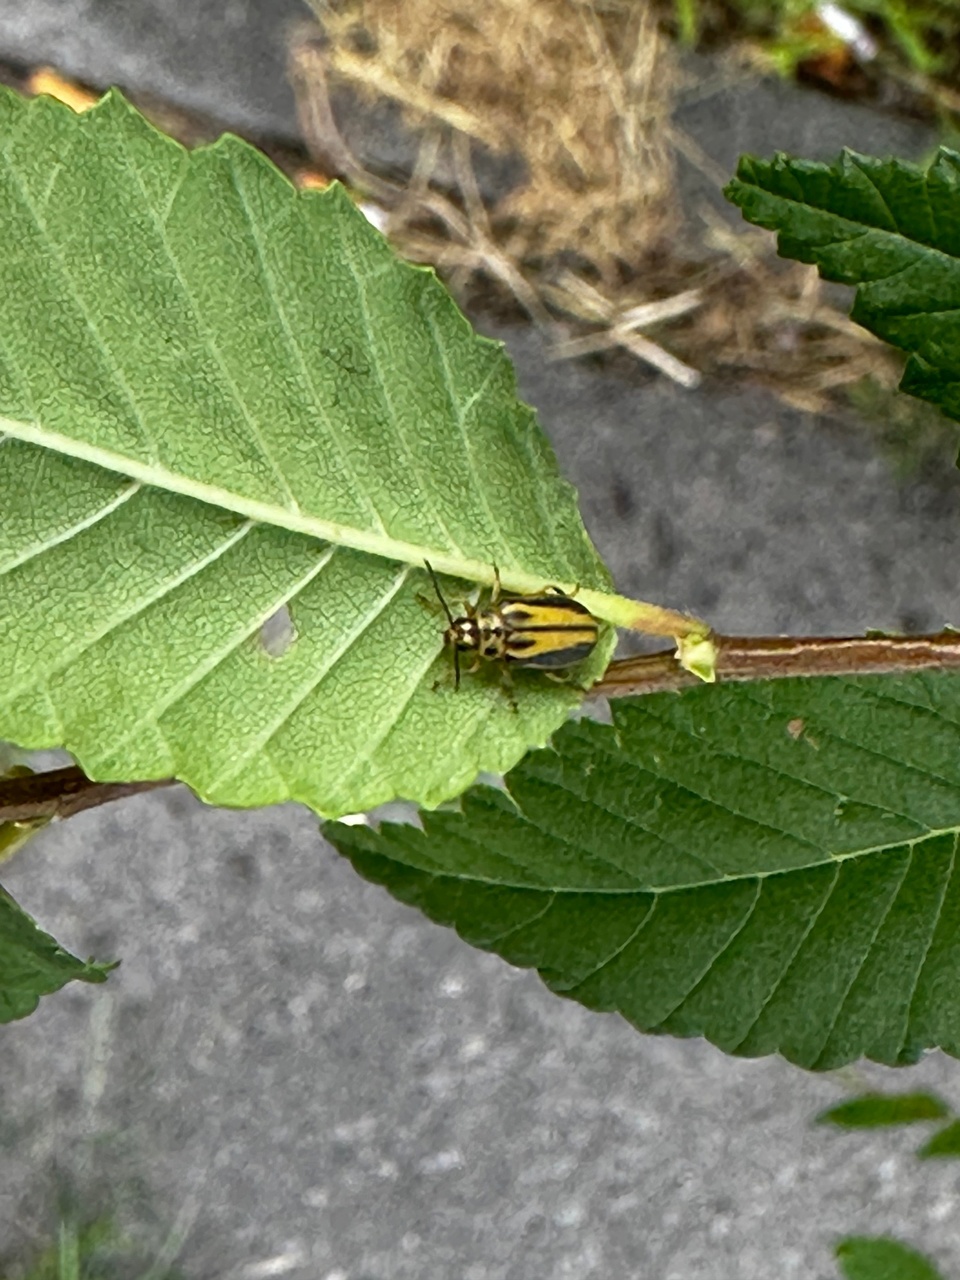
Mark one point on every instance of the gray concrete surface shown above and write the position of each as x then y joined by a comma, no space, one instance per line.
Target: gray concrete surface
320,1084
223,58
309,1080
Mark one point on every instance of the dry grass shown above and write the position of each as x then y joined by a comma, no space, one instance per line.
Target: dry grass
581,93
594,244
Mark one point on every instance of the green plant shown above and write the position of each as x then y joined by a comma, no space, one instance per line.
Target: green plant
192,453
866,1258
885,1110
96,1250
915,38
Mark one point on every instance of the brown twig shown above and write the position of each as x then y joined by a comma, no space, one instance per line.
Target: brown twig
775,657
60,793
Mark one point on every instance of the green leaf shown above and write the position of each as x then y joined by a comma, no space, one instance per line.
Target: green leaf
95,1250
866,1258
888,227
232,428
771,866
944,1143
876,1110
32,964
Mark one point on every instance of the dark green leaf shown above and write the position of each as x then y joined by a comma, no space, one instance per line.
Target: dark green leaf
875,1110
888,227
32,964
944,1143
771,866
863,1258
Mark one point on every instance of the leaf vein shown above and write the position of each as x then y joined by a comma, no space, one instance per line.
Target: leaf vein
825,731
721,950
769,1000
261,741
69,656
71,531
360,281
618,950
459,413
499,938
720,754
894,224
948,880
865,954
303,374
216,659
207,337
112,365
633,824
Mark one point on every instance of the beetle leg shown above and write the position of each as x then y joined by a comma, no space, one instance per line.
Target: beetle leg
566,677
507,688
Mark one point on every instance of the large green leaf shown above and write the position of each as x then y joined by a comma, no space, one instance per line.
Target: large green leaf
771,866
32,964
232,428
892,229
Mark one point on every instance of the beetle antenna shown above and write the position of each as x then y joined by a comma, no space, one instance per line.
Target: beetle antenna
446,607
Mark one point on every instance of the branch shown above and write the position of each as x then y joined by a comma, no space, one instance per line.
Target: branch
775,657
60,793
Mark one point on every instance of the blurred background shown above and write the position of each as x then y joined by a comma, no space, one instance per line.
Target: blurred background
293,1075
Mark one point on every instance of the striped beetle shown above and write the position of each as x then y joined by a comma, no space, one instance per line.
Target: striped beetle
549,631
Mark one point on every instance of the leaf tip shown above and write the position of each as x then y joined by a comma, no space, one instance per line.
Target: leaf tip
698,655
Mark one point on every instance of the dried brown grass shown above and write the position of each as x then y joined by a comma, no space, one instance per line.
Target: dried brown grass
594,244
579,91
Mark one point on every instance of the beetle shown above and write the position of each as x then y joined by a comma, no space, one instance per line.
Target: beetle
548,631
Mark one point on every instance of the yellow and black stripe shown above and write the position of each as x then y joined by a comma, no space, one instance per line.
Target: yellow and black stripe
549,631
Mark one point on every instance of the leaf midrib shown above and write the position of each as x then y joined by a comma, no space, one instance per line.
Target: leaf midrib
375,542
830,859
371,543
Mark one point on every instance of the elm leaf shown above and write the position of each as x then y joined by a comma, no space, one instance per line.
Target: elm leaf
233,426
890,228
32,964
771,866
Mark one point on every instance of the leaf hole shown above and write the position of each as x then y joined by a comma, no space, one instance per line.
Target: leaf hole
278,633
